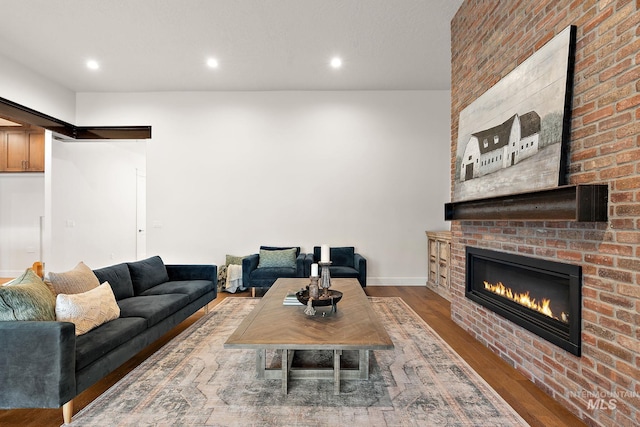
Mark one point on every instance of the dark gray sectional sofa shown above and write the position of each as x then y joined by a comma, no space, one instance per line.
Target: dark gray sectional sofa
45,365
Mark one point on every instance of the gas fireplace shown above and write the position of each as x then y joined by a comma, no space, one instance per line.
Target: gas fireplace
542,296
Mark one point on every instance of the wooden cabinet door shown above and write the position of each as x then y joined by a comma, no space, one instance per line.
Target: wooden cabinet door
433,260
36,152
16,151
3,151
21,151
439,251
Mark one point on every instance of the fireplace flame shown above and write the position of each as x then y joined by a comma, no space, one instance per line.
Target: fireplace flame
525,299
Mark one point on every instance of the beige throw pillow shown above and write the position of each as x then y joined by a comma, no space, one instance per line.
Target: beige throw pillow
232,259
80,279
89,309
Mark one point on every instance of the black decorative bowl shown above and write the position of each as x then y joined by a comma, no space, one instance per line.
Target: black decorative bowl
322,301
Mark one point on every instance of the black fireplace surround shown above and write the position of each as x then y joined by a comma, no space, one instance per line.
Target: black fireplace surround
510,284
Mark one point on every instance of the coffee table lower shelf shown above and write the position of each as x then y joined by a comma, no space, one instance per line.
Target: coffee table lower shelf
336,373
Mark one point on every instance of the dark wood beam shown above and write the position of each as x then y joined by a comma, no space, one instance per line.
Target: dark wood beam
581,203
27,116
113,132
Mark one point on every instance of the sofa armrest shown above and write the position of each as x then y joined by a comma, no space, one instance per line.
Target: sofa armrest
249,263
37,364
193,272
301,266
360,264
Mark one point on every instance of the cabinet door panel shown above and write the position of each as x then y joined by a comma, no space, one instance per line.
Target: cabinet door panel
439,250
16,151
36,152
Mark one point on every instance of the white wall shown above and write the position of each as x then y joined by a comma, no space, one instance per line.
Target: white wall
28,88
91,213
229,171
87,197
21,206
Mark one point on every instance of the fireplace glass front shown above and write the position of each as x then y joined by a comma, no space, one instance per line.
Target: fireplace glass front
540,295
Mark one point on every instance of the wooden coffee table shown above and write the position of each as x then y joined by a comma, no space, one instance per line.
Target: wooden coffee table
274,326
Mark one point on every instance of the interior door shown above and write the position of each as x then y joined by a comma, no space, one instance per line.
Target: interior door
141,214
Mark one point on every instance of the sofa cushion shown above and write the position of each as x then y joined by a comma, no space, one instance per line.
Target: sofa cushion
273,272
147,273
27,298
154,308
194,289
101,340
277,258
87,310
339,271
118,277
80,279
342,256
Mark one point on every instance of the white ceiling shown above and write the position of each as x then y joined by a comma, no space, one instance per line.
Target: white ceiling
162,45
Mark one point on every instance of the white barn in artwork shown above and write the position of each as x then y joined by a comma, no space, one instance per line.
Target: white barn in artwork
501,146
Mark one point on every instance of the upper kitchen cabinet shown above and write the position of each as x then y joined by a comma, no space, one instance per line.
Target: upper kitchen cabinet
21,151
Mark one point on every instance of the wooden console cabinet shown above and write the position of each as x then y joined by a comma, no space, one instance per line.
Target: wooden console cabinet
438,253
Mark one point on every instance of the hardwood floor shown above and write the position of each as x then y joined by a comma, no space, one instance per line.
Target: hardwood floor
532,404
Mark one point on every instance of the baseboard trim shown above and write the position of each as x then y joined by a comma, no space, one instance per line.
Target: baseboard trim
396,281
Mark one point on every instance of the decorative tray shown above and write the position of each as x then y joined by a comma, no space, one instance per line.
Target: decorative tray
322,301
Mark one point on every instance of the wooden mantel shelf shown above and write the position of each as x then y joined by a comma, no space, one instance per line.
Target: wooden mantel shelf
581,203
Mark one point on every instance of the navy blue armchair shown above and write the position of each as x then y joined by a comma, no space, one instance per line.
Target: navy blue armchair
276,262
344,263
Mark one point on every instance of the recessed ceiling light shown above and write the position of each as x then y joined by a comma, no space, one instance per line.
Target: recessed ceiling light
336,62
92,64
212,63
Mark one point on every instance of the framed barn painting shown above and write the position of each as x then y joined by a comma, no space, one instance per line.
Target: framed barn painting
514,137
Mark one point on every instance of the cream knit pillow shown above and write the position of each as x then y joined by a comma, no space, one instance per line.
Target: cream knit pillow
89,309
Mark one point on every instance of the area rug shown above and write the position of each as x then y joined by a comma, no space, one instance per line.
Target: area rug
194,381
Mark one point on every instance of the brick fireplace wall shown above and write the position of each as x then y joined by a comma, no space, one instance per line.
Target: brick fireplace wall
489,39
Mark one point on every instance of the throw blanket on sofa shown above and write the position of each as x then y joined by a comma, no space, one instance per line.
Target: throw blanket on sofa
234,279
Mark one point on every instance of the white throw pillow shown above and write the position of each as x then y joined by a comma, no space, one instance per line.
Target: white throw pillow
89,309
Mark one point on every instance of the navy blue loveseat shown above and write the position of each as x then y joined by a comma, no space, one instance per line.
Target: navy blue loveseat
44,364
255,275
